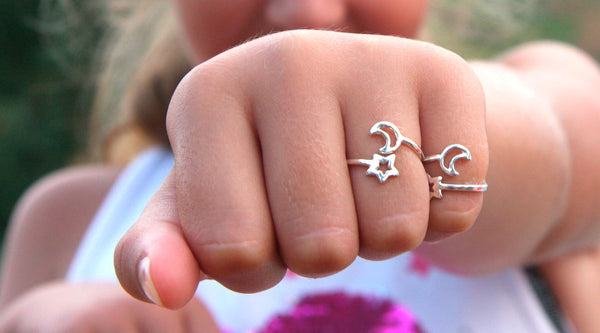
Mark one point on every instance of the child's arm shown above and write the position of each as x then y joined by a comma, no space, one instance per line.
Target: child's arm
97,307
47,225
543,123
570,81
261,135
575,282
45,231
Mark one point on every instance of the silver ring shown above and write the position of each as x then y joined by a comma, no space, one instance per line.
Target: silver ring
388,158
436,186
388,155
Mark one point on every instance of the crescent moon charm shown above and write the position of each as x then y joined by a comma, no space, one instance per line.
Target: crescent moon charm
388,148
451,168
436,186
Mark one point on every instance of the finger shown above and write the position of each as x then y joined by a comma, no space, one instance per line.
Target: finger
392,215
220,188
153,261
302,140
452,111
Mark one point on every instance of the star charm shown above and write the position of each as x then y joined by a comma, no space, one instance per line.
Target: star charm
434,187
376,161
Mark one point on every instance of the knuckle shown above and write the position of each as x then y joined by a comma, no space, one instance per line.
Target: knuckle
393,235
221,260
287,45
457,215
454,223
444,66
206,84
444,60
321,252
289,57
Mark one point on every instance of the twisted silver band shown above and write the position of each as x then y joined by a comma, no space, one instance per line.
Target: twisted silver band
388,158
436,186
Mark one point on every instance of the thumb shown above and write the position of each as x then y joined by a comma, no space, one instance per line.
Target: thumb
153,261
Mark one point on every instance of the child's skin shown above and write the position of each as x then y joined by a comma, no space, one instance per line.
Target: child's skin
574,281
261,134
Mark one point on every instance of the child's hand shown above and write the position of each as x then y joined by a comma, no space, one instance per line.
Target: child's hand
63,307
261,136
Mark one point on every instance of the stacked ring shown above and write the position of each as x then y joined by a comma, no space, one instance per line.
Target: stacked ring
388,156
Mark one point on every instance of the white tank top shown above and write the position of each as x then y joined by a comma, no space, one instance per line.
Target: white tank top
440,302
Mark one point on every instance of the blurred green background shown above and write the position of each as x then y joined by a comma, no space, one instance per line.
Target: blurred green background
43,103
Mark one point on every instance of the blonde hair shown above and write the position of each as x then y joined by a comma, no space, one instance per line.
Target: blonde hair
142,65
142,61
137,63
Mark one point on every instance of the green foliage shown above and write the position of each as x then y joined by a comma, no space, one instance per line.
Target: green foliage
39,111
480,29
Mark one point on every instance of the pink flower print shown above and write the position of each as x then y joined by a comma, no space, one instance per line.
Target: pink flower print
419,266
339,312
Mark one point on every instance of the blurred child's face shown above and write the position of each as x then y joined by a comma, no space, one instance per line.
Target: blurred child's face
212,26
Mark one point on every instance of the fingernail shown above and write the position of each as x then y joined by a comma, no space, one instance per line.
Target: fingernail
146,281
